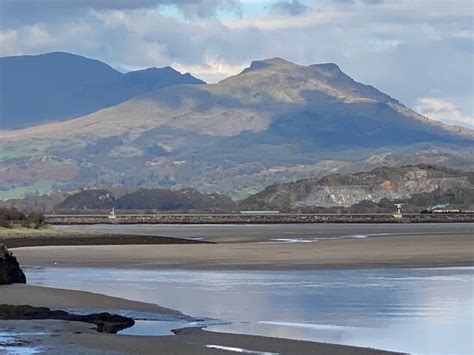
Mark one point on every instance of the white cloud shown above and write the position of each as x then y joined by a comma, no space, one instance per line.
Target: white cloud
444,111
212,70
409,49
27,38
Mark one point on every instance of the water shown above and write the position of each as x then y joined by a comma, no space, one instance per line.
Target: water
13,342
409,310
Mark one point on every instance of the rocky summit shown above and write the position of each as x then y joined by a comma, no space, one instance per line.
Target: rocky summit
10,271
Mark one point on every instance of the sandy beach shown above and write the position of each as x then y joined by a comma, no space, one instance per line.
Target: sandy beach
393,251
57,337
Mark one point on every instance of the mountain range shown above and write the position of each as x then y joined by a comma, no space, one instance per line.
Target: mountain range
58,86
276,121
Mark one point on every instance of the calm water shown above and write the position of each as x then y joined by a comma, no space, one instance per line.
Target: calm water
410,310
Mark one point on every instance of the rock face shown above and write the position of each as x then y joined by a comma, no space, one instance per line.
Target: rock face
105,322
345,190
10,271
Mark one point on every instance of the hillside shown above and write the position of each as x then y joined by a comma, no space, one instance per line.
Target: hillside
417,186
58,86
145,199
276,121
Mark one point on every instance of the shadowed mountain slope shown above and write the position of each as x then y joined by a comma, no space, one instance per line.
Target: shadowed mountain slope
57,86
275,121
146,199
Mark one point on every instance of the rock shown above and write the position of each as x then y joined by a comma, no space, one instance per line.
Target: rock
10,271
105,322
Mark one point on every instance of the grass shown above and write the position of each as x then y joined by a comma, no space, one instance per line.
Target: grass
18,231
9,152
40,187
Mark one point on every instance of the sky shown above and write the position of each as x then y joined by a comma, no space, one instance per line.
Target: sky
420,52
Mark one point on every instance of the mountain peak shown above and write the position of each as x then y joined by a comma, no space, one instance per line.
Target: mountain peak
264,63
328,67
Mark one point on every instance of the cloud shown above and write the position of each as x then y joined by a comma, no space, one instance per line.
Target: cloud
17,12
408,49
443,111
369,2
293,8
213,68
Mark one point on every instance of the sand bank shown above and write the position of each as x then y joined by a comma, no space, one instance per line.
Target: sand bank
393,251
56,298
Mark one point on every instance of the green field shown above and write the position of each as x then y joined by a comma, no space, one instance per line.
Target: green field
9,152
40,187
18,231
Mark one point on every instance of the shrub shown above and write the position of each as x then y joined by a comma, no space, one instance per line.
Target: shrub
35,220
11,216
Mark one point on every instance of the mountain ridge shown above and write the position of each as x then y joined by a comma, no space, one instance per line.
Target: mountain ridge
59,85
251,87
274,122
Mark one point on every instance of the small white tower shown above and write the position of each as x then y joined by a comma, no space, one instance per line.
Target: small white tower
112,214
398,214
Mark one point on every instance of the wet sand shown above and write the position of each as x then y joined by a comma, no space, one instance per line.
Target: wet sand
394,251
58,337
39,296
254,233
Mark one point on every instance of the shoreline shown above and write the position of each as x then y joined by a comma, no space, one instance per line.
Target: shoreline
82,337
231,252
393,251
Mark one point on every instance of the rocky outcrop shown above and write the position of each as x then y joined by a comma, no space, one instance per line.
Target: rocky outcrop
105,322
436,184
10,271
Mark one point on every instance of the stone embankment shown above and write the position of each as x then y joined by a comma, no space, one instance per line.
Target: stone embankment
257,219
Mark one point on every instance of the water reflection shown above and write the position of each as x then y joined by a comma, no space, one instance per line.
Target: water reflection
411,310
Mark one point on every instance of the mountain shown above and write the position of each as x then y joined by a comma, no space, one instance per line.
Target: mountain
275,121
418,187
124,199
58,86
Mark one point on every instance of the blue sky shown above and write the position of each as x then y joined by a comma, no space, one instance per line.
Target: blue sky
418,51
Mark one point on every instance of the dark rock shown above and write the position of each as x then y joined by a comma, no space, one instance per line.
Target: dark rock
10,271
105,322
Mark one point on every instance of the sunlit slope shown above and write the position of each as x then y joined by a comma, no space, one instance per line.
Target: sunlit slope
275,121
271,93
